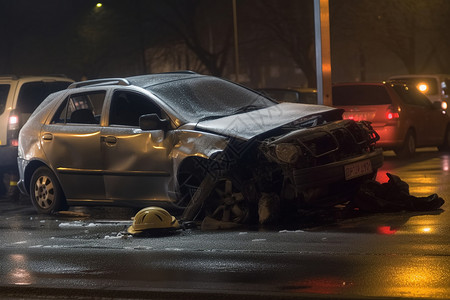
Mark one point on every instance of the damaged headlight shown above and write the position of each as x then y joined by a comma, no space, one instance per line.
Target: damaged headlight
287,153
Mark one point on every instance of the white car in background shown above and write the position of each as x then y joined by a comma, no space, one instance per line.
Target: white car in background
19,97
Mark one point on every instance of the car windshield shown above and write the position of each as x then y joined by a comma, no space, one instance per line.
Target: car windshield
200,98
360,95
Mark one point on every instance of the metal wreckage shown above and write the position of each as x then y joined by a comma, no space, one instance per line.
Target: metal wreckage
318,160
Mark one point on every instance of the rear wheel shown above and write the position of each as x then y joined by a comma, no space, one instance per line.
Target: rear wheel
46,193
408,148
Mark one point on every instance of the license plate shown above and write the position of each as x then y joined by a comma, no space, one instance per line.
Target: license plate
358,169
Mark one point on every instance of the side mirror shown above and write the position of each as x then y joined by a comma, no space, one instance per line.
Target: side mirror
152,122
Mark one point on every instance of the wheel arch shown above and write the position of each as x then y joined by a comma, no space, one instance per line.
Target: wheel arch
30,169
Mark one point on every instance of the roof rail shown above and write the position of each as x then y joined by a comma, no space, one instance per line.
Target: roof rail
6,76
180,72
105,81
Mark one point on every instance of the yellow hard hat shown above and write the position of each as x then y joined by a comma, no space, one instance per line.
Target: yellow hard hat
152,218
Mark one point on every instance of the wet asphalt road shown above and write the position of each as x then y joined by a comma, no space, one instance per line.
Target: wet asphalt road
334,254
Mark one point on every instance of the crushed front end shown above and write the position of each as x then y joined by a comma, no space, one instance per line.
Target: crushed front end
323,164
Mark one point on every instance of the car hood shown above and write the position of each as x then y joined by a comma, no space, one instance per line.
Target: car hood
253,123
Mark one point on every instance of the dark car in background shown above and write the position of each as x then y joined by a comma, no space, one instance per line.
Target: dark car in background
403,117
154,139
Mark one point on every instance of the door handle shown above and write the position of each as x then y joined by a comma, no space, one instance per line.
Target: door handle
110,139
47,136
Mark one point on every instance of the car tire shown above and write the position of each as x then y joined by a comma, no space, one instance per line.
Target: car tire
408,147
46,194
446,143
227,202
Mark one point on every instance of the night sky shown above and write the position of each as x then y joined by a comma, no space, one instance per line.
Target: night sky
370,40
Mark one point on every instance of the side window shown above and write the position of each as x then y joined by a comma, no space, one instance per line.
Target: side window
412,95
127,107
83,108
4,90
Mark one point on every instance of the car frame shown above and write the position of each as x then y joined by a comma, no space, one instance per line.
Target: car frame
199,144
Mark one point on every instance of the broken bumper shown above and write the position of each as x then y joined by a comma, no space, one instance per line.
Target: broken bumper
340,171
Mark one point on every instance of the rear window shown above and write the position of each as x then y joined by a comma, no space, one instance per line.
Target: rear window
360,95
33,93
4,90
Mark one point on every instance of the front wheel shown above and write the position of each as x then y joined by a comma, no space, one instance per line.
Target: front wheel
46,193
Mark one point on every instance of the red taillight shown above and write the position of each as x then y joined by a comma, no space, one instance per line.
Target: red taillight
392,113
13,122
15,142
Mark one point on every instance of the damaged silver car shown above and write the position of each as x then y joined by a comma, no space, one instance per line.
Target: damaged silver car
196,143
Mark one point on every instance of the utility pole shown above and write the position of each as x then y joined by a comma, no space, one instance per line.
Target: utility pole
323,52
236,49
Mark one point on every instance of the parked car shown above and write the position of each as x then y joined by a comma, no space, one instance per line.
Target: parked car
294,95
403,117
154,139
19,96
435,86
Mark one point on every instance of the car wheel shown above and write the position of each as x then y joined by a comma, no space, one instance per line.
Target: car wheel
446,143
408,148
46,193
227,203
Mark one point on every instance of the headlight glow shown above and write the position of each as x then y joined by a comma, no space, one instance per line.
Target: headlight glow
423,87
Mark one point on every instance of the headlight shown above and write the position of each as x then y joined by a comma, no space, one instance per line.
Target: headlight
288,153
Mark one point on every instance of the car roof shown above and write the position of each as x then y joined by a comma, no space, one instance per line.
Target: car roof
142,81
419,76
34,78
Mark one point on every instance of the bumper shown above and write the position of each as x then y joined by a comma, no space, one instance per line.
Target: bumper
8,158
390,136
336,172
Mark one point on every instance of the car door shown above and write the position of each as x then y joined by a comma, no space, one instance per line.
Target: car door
137,163
71,143
431,123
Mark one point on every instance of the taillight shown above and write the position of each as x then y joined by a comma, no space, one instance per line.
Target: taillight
13,121
392,113
13,129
